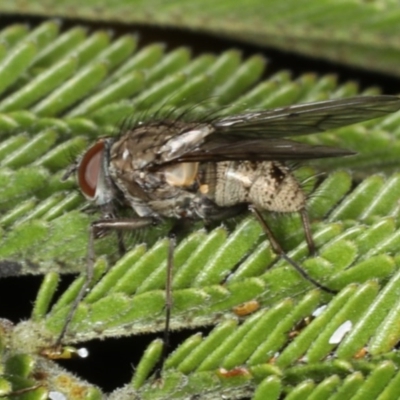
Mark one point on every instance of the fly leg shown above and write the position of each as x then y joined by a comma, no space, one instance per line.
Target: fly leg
179,227
97,228
168,307
307,230
121,244
278,250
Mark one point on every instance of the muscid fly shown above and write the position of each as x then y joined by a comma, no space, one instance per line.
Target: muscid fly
211,171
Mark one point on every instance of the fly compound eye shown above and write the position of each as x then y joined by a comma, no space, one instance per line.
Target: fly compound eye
89,170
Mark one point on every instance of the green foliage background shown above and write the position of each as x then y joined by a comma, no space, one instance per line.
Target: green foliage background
61,88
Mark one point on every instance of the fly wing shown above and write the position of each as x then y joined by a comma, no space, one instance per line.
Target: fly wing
229,148
308,118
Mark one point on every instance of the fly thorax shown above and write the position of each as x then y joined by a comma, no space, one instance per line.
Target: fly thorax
181,175
268,185
180,206
185,141
171,189
142,209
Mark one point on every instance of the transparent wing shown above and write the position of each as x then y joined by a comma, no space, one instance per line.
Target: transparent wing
230,148
308,118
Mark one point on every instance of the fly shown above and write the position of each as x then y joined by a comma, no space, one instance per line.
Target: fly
211,171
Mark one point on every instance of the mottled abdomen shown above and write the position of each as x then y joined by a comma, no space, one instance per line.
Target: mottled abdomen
269,185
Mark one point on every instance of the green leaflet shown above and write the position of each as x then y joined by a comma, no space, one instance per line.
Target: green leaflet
60,91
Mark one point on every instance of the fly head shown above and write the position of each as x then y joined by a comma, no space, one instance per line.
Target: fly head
93,175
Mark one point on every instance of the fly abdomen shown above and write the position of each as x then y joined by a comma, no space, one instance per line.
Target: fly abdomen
268,185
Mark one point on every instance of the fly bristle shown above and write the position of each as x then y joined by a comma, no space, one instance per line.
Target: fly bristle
203,112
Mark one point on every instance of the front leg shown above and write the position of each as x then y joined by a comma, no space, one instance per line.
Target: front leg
97,229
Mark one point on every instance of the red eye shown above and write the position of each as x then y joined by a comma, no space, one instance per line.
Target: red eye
89,168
